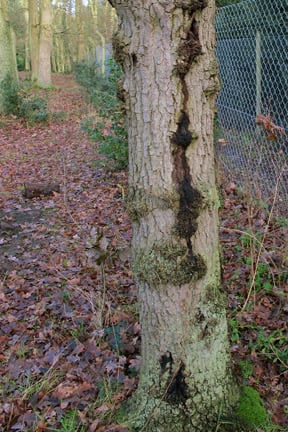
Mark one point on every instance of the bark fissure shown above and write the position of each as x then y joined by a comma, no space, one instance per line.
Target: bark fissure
177,390
188,49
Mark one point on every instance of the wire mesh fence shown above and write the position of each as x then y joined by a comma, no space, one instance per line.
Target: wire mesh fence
252,119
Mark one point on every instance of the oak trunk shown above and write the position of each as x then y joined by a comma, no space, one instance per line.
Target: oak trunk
166,49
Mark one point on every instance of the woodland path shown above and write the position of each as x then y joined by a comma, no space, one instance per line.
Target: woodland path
63,353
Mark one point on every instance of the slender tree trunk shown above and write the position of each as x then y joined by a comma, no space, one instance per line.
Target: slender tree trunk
80,30
34,38
166,49
100,38
7,48
45,44
27,42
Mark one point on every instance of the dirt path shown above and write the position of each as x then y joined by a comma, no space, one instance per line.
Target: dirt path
67,327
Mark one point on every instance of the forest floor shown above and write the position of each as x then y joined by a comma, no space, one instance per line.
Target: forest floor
69,330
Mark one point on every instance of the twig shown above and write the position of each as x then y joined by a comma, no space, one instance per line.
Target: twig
277,356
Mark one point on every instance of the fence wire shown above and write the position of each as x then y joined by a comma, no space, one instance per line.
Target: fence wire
252,51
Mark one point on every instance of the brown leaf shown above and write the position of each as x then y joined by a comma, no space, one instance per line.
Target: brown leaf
65,390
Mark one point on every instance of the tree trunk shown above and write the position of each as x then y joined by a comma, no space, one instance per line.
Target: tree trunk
7,49
45,44
80,30
166,49
34,38
26,40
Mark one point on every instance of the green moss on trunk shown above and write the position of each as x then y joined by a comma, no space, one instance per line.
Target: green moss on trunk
168,262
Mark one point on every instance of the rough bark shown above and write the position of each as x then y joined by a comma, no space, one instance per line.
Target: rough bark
166,49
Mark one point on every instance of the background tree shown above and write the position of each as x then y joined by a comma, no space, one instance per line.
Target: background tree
166,49
7,48
80,30
26,35
18,18
65,40
33,37
45,44
70,30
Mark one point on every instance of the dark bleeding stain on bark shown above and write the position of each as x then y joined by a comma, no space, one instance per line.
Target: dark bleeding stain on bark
119,49
182,137
166,362
190,202
134,59
192,5
188,49
190,198
177,391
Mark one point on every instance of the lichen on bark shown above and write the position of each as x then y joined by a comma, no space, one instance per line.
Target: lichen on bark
139,203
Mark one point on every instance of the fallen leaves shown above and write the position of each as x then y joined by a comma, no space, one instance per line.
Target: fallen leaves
69,333
62,281
259,332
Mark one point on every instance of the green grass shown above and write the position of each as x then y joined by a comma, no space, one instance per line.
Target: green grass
70,423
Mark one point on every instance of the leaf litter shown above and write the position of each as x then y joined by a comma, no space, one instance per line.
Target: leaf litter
69,330
67,341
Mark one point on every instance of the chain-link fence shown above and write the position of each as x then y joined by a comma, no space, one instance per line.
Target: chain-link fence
252,51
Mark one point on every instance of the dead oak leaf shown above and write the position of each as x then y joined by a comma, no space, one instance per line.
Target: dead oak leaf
65,390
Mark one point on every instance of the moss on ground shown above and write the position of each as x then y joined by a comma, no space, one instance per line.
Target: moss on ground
251,408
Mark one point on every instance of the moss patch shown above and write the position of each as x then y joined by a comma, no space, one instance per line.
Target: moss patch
251,408
168,262
119,49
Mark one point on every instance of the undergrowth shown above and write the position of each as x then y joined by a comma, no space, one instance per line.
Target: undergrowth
107,124
19,101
